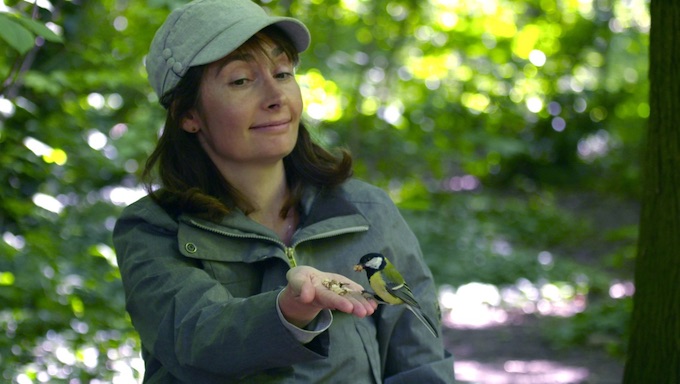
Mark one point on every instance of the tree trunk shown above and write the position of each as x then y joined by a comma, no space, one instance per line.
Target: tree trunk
654,348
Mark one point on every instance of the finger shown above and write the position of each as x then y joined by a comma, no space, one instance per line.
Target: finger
361,306
370,304
358,304
329,299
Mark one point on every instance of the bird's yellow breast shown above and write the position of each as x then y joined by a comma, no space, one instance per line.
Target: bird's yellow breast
379,287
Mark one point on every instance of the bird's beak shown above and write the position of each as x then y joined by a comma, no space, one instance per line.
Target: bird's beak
358,268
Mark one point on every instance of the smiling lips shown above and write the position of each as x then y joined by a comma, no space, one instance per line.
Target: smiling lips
272,124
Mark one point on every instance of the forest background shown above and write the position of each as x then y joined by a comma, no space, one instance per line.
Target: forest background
508,132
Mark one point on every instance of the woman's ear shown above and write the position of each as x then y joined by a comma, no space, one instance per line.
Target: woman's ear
191,122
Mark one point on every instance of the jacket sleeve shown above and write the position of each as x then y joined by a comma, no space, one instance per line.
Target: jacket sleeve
410,353
190,322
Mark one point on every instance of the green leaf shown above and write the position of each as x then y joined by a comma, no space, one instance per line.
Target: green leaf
41,30
15,35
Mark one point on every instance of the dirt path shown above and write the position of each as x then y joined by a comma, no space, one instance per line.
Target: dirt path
515,353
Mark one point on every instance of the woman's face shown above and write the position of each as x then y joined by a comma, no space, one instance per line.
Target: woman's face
249,108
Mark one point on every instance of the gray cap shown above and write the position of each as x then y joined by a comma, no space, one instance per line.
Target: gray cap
204,31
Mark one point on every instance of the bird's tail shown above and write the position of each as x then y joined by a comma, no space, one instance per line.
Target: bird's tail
416,311
425,320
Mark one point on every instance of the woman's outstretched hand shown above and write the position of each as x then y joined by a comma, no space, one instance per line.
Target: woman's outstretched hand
306,295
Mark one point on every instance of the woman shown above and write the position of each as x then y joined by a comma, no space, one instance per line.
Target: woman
224,265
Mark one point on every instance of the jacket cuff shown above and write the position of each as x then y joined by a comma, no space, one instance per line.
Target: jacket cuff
305,335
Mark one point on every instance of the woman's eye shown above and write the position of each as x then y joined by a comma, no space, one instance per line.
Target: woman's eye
284,75
239,82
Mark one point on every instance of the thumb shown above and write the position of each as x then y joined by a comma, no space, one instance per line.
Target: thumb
300,282
307,292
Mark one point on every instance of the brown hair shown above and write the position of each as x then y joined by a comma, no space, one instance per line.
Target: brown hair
190,182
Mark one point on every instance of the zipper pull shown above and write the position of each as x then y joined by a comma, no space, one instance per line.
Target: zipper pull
290,254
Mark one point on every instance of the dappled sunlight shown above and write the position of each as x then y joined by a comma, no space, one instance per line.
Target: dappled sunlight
474,305
478,305
17,242
48,203
96,140
123,196
117,195
499,358
477,117
7,108
321,96
519,372
621,289
55,358
594,146
45,152
461,183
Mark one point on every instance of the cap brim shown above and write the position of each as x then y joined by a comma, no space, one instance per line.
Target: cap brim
228,41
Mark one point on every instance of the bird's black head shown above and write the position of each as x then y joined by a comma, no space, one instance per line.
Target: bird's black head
373,262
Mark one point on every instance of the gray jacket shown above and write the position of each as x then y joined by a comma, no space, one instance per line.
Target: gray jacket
203,296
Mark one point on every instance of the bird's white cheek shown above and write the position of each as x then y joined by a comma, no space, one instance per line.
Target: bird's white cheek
374,263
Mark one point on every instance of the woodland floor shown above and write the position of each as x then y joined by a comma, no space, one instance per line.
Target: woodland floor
516,353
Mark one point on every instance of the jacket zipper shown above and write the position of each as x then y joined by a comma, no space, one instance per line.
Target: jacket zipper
290,254
289,251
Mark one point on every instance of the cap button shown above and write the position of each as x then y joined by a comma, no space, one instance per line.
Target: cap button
177,67
167,53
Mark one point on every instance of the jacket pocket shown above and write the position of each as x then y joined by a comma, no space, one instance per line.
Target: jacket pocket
240,279
232,262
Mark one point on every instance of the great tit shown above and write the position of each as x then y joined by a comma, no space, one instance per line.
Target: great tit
390,287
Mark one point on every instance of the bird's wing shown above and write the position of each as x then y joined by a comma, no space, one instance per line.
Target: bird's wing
396,285
403,292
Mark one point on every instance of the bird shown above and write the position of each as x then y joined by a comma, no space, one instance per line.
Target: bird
390,287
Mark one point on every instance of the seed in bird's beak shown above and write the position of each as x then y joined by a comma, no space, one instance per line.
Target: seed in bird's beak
358,268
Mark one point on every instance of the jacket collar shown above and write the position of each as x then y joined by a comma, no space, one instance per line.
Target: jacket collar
323,211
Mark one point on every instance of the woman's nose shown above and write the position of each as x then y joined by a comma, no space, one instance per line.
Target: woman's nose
274,95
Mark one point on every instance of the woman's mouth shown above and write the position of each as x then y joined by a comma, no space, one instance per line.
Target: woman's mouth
272,124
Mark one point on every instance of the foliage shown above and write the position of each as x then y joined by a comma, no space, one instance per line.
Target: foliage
601,325
515,241
435,97
496,239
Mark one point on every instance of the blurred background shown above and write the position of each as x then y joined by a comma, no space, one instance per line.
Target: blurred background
508,132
